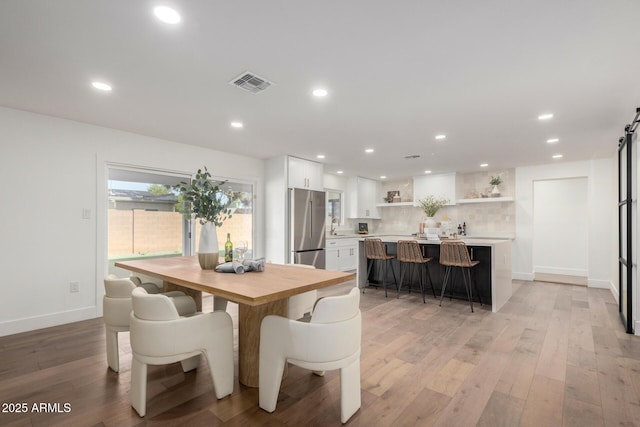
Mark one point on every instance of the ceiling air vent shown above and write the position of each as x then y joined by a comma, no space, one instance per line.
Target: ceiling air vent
250,82
412,156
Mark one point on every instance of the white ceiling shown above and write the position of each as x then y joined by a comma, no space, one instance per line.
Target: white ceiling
398,73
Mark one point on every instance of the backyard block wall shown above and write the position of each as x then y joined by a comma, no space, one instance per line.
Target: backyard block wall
140,232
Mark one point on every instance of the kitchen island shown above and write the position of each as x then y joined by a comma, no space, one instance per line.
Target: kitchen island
492,275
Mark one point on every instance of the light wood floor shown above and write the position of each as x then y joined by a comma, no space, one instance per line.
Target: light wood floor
555,355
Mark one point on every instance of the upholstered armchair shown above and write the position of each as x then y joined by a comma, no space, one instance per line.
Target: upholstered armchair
116,307
330,341
159,335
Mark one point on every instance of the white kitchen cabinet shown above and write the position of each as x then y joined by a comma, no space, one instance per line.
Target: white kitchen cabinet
442,185
331,259
362,194
349,258
305,174
341,254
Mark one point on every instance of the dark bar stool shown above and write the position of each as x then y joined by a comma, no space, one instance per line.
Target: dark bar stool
454,253
374,250
409,253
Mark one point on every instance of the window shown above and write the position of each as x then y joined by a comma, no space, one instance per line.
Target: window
240,225
143,218
334,207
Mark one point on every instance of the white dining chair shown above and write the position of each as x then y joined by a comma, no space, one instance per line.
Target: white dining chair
159,336
331,340
302,304
116,309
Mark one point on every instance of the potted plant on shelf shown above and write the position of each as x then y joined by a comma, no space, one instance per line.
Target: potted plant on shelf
430,205
495,181
205,199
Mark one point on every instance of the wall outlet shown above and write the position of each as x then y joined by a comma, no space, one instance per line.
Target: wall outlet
74,287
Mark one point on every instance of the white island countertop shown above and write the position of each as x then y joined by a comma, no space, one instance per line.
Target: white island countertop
470,241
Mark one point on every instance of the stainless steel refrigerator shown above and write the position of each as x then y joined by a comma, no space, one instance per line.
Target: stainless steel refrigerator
307,221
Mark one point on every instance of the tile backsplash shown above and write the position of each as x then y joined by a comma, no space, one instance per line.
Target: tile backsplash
494,219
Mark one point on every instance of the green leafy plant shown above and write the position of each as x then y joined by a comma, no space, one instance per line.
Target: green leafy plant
495,180
206,200
431,204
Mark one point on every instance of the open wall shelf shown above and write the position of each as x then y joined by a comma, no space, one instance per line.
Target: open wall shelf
385,205
486,200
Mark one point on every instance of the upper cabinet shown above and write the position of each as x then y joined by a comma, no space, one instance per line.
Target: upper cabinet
442,185
305,174
362,196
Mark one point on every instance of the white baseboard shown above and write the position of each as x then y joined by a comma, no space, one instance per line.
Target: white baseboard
614,291
522,276
563,271
602,284
636,328
26,324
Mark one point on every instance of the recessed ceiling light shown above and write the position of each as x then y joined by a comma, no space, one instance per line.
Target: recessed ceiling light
484,165
320,92
552,140
237,125
369,150
557,156
383,177
545,116
101,86
320,156
441,136
427,171
166,15
340,172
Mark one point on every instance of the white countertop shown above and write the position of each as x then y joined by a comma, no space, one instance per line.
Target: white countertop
349,236
469,240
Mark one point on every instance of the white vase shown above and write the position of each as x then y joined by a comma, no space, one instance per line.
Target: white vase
495,192
430,222
208,246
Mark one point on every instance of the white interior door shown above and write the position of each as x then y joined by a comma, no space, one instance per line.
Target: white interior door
560,234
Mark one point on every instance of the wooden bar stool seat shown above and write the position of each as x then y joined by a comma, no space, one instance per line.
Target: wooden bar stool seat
454,253
409,253
375,250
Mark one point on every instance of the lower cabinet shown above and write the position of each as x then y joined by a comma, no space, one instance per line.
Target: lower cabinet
341,254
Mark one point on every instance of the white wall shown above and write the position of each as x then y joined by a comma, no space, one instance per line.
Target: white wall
560,226
600,216
52,169
277,223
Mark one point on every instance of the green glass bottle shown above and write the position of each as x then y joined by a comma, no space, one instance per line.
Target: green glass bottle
228,249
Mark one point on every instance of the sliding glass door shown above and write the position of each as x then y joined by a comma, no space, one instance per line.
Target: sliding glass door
145,220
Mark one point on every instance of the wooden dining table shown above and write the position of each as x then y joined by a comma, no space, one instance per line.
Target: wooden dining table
258,294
